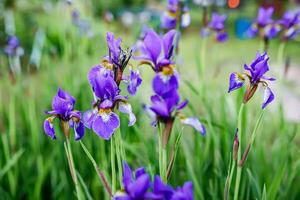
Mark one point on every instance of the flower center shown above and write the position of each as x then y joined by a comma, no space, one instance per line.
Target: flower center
104,113
107,65
168,70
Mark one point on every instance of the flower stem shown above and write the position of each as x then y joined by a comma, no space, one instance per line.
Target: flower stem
164,164
113,167
239,168
117,140
99,172
253,135
72,167
228,180
280,53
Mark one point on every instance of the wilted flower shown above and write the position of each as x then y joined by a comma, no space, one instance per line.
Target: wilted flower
290,23
13,47
255,73
217,26
105,79
177,12
63,109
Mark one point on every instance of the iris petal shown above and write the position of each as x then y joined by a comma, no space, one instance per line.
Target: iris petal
105,124
152,43
127,109
235,82
79,130
49,129
195,123
268,97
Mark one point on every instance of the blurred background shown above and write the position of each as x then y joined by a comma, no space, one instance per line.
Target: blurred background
60,40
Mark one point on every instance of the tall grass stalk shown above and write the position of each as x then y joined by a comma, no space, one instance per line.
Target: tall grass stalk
239,168
68,149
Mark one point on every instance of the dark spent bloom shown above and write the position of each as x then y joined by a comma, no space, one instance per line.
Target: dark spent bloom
255,73
104,80
177,12
13,47
217,26
63,109
138,186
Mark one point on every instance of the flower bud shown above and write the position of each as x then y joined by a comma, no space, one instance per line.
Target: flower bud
236,144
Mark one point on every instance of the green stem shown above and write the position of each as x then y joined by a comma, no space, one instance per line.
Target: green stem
239,168
164,165
113,167
203,56
160,150
72,167
117,140
99,173
280,53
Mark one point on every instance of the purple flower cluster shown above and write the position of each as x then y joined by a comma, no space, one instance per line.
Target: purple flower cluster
290,25
177,12
255,73
216,26
63,109
158,53
138,186
105,79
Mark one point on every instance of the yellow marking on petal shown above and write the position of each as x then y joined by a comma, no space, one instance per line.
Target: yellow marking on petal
172,14
50,119
107,64
168,70
104,111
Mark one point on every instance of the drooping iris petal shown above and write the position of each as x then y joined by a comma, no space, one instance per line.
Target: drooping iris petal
185,19
235,82
49,129
268,97
127,109
89,117
138,188
168,21
105,124
79,130
152,43
63,102
222,36
271,31
163,83
160,109
182,105
252,31
195,123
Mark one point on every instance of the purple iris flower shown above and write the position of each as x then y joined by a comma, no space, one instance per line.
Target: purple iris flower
171,17
166,107
264,25
138,186
102,118
105,79
290,23
256,75
217,26
168,193
13,46
264,16
63,109
158,53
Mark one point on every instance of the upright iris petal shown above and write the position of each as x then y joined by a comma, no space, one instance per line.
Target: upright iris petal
264,16
114,46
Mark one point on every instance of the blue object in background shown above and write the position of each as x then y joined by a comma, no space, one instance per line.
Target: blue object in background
241,27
